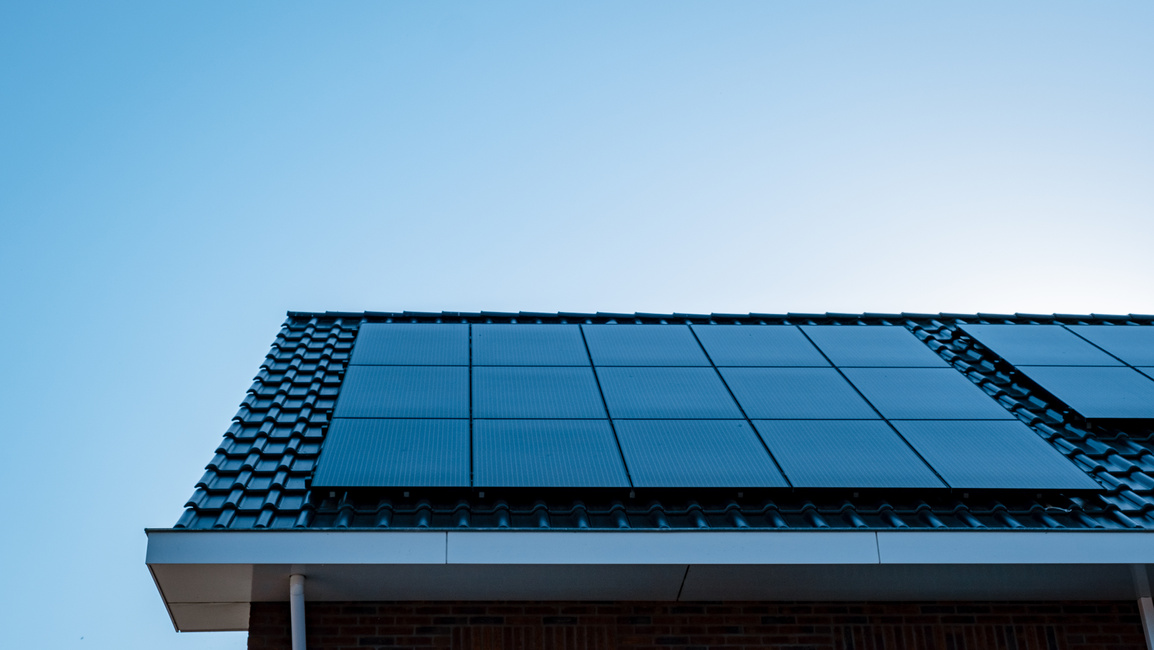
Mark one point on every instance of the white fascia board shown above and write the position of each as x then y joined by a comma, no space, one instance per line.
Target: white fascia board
207,577
662,547
295,547
761,547
1016,547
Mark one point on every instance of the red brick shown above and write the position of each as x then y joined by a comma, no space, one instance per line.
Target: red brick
659,626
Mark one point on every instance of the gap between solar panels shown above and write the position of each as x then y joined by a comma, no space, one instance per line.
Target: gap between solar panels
1100,372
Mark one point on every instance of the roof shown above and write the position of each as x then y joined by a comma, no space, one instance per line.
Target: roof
260,477
261,513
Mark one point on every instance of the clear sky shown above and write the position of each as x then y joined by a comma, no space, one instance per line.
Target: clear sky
174,176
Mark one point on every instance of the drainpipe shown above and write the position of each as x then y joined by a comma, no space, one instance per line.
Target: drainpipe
1146,611
1142,588
297,610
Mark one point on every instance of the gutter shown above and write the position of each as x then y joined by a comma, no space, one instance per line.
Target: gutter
198,570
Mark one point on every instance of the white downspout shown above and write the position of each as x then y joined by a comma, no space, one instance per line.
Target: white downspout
1145,602
1146,611
297,610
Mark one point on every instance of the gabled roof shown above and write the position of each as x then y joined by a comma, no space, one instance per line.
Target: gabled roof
260,477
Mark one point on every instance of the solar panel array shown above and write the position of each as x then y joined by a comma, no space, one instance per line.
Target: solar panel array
1099,371
671,406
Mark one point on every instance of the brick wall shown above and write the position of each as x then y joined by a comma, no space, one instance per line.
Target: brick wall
733,626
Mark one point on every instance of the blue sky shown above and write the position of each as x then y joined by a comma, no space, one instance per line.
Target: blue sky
175,176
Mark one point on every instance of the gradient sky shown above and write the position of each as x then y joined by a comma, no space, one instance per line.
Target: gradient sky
175,176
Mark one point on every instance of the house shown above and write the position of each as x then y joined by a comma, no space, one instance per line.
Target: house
571,480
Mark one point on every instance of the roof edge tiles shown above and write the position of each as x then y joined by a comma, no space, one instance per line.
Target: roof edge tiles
480,317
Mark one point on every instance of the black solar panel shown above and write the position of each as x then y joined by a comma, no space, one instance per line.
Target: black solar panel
410,344
546,453
1038,345
539,417
528,345
394,453
1133,345
404,392
643,345
993,455
696,453
666,393
796,393
872,345
1096,392
536,392
925,394
758,345
844,453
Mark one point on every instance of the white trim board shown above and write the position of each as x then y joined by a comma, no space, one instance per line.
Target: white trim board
194,569
649,547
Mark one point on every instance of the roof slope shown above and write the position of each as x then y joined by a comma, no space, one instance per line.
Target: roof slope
260,476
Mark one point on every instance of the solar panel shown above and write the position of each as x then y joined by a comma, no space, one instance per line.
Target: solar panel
1038,345
643,345
394,453
528,345
1132,344
411,344
925,394
535,392
1096,392
758,345
404,392
796,393
872,345
546,453
696,453
844,453
666,393
993,455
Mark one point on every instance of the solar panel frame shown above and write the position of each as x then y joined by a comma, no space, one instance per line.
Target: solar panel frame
404,392
1132,344
535,392
643,345
992,455
796,394
758,345
546,453
529,345
1098,392
696,453
377,452
1038,345
871,346
925,394
666,393
844,454
411,344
